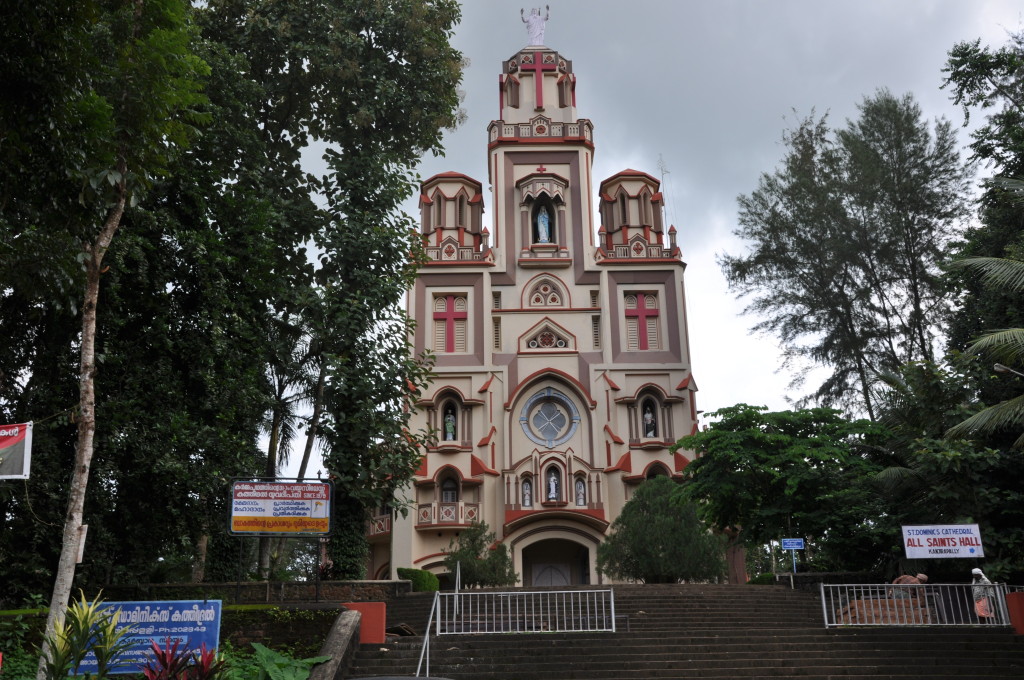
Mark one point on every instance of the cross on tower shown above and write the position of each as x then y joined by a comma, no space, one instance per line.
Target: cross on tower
449,316
538,69
641,314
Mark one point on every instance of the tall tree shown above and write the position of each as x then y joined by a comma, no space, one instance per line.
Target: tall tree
846,238
658,538
375,84
234,237
764,475
990,81
121,109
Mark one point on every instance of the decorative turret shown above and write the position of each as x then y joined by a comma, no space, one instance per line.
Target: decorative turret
451,218
631,221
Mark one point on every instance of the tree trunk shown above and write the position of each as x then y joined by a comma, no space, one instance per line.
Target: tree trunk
270,471
311,430
86,426
199,564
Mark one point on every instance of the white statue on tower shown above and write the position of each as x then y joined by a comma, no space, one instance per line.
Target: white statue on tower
535,24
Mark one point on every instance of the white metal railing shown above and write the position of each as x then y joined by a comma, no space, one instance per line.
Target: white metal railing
913,605
554,611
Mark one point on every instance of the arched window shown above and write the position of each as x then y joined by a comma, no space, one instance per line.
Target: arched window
649,418
462,211
646,209
580,491
657,471
623,211
527,492
553,484
642,329
449,490
438,210
543,222
451,314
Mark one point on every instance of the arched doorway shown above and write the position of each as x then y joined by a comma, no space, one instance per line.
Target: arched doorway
556,562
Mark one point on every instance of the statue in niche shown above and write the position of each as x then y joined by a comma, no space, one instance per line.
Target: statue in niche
650,424
543,225
527,493
552,485
535,24
449,424
581,492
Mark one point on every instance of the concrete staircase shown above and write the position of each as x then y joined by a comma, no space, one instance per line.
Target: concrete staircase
702,631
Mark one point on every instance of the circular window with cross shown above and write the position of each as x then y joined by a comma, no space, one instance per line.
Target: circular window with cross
549,418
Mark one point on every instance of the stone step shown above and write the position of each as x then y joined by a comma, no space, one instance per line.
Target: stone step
703,631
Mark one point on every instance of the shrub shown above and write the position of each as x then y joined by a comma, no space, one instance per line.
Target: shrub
762,580
422,580
484,561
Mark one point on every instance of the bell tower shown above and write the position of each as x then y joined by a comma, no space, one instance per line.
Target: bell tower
562,373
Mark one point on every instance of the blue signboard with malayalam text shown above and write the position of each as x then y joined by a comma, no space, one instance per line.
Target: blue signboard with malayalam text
792,544
191,623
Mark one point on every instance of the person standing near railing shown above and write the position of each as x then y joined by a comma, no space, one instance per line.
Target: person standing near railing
981,590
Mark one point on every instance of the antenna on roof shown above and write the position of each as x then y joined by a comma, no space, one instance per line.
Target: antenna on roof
663,167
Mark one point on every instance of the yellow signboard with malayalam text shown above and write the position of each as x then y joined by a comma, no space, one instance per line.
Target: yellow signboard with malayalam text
265,508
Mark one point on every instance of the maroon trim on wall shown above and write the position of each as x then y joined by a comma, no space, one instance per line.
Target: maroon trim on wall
470,281
552,374
629,279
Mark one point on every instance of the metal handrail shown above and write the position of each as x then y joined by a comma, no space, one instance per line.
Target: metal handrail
942,604
425,650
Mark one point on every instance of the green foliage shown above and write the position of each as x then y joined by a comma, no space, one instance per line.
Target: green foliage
201,349
766,475
423,581
658,538
273,665
1005,345
478,559
762,580
846,237
929,476
85,627
19,664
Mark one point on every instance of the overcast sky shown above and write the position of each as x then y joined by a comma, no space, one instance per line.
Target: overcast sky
709,86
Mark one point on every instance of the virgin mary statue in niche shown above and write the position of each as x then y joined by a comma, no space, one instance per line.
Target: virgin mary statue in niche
543,225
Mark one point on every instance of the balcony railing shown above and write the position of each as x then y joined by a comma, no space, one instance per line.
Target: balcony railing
913,605
379,526
460,512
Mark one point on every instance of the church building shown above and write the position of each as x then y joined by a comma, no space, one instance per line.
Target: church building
562,372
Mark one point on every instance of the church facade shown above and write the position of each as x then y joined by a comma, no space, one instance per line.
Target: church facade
562,372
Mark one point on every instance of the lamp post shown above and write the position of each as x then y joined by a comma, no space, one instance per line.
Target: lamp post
1000,368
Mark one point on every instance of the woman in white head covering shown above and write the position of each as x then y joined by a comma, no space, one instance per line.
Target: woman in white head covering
981,590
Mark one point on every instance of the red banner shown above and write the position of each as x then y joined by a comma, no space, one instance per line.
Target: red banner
15,450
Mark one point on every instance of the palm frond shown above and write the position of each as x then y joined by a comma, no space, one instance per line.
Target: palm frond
1012,185
994,271
1006,345
1007,415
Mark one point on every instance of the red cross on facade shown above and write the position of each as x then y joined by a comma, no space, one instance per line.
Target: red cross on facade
641,314
538,69
449,316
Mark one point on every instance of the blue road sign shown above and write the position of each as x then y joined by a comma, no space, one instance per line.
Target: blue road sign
792,544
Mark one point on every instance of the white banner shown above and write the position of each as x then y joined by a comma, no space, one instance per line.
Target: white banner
15,450
938,541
